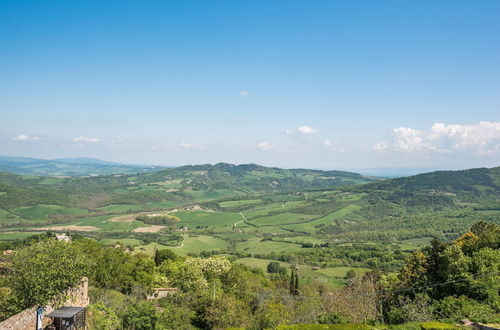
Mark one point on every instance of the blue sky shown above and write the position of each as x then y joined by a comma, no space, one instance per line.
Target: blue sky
321,84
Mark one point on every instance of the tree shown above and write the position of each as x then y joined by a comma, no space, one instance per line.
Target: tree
270,314
45,270
187,277
175,316
101,317
294,281
223,312
273,267
350,276
141,316
165,254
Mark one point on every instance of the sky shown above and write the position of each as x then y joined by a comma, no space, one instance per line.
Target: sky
316,84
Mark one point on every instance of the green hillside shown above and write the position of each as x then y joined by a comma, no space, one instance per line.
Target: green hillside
183,184
68,166
328,219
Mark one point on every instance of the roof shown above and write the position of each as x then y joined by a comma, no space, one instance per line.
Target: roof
66,312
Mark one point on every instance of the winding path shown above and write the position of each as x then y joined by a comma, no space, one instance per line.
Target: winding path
182,244
243,217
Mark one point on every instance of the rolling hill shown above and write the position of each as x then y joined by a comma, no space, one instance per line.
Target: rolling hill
68,166
254,211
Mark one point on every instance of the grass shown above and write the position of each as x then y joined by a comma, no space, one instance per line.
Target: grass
281,218
340,272
208,195
149,249
236,203
210,219
304,239
121,208
6,216
195,244
13,235
42,212
122,241
256,246
274,207
423,241
162,205
327,219
333,275
102,224
51,181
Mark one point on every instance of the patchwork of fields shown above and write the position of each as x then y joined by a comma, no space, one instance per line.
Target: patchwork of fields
242,212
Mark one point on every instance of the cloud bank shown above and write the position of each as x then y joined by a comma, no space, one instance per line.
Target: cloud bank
86,139
482,138
24,137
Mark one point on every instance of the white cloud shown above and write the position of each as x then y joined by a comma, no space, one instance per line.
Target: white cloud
483,137
244,93
480,138
307,130
287,131
24,137
186,145
380,147
86,139
327,143
264,145
408,139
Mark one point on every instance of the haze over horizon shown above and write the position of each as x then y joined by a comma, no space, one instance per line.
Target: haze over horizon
292,84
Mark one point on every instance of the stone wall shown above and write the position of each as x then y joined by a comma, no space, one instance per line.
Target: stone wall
26,320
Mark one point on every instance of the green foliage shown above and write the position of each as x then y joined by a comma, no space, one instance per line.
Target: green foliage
333,317
271,314
456,309
44,270
166,220
468,268
175,316
140,316
187,277
436,326
223,312
100,317
115,269
418,309
165,254
273,267
325,326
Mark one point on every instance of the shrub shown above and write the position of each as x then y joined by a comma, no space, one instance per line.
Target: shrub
436,326
100,317
455,309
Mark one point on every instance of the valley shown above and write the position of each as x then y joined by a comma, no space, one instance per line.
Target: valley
330,221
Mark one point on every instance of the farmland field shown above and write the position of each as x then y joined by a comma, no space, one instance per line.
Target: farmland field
41,212
242,212
332,275
193,244
228,204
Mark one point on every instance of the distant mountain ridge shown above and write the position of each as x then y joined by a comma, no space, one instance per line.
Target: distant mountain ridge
68,166
477,180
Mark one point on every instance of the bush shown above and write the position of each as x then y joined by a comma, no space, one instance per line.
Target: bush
332,318
45,270
436,326
349,326
100,317
140,316
456,309
175,317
